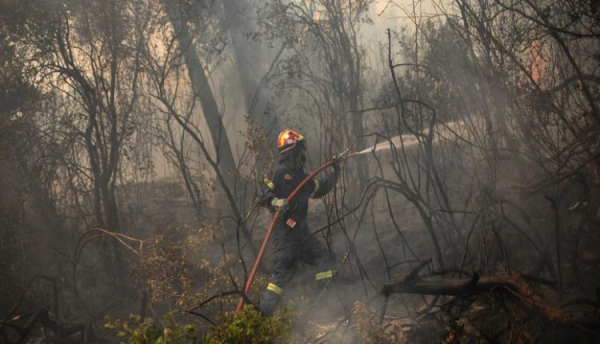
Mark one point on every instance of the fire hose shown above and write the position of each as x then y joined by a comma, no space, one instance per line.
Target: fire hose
340,157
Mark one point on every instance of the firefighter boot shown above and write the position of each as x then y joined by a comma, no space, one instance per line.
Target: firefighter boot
269,300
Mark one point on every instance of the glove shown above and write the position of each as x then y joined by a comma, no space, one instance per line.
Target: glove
336,165
280,204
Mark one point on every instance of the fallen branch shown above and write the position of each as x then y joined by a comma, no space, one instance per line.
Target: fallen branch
514,284
406,277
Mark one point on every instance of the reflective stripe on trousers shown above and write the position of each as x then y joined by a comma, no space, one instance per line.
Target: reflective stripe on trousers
323,275
274,288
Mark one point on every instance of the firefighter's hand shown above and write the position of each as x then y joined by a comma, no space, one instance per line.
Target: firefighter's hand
337,164
280,204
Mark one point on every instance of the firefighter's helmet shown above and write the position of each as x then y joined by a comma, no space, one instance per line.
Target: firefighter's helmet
288,139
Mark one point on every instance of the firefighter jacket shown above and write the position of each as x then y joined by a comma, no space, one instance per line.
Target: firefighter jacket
283,182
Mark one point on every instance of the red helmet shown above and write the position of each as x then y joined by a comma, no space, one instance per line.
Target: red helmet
288,139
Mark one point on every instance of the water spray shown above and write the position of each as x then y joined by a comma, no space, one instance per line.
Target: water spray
447,129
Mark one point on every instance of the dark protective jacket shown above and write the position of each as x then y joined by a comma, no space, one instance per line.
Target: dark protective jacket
284,180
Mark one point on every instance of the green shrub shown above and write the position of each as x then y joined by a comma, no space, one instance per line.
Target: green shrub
134,331
246,327
250,327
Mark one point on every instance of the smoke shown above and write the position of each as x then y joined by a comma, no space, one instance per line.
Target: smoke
408,141
509,186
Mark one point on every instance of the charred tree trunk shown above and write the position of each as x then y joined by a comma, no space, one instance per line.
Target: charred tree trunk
251,59
203,91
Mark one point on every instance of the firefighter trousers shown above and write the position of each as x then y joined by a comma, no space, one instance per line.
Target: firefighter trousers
287,254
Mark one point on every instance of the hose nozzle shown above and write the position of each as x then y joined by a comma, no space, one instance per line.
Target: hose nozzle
341,156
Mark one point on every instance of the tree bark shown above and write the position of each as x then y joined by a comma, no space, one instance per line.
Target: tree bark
251,60
202,89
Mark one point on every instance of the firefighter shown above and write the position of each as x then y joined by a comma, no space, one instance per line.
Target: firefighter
291,239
